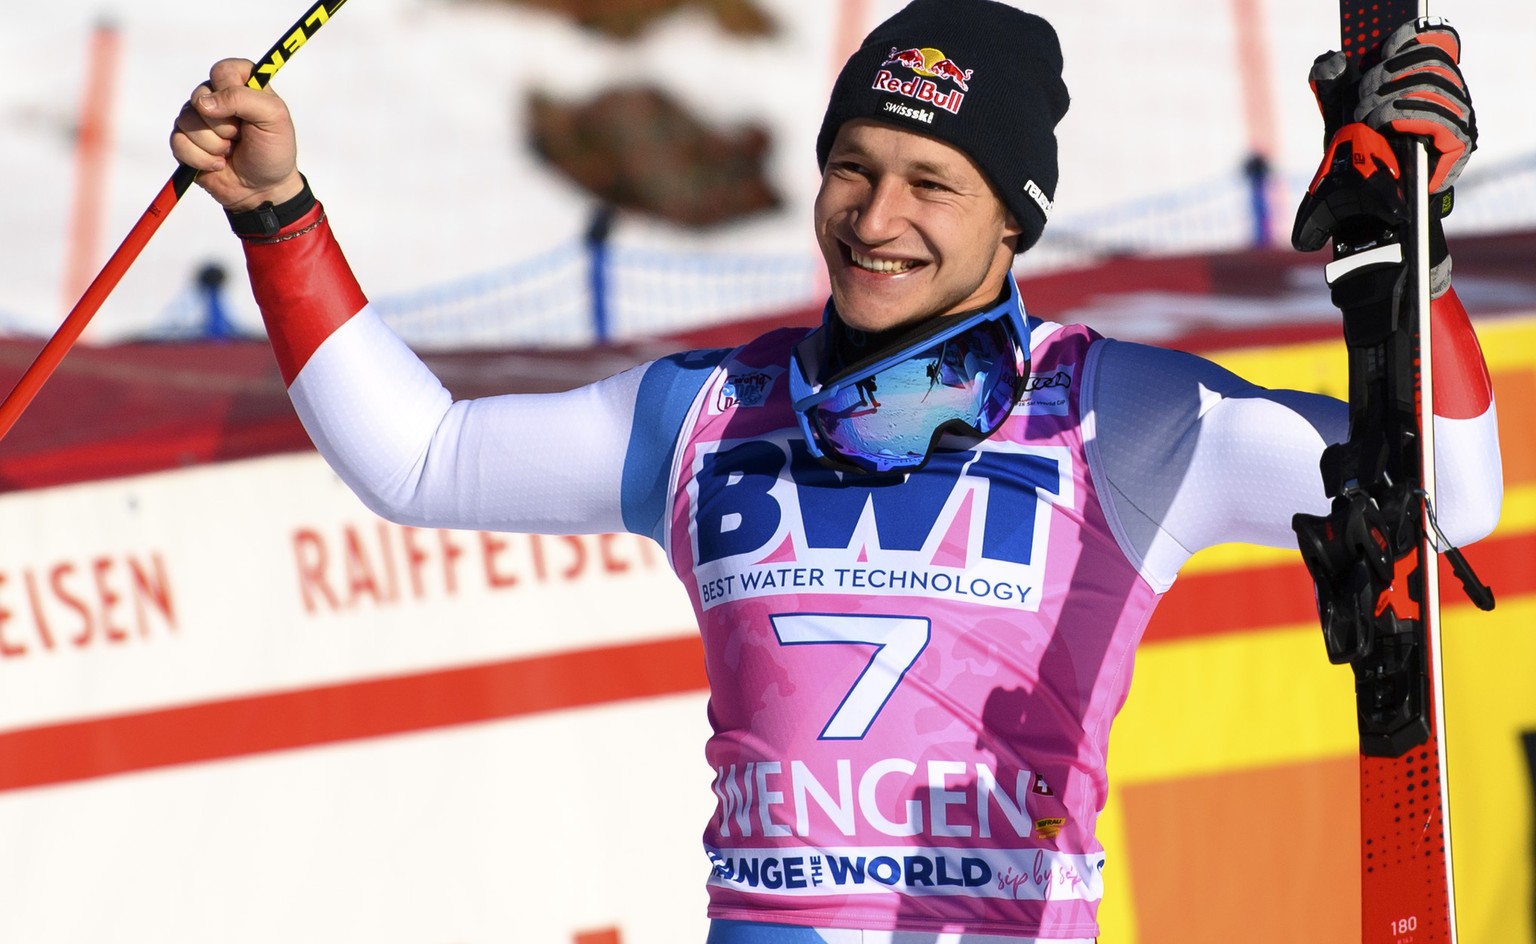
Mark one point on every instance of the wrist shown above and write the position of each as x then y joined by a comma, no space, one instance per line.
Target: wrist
265,219
1439,253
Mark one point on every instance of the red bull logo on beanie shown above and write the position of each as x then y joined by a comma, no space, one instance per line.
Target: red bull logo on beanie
930,67
930,63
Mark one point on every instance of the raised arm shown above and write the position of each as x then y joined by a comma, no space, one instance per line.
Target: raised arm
559,463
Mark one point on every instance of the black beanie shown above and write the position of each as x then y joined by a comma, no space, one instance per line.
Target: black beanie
979,75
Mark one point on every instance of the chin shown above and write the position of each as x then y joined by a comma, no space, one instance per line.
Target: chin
872,318
869,312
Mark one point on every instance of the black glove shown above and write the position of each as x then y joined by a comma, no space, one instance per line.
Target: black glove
1358,189
1417,89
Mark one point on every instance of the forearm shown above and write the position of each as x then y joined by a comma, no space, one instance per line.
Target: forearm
303,286
1469,473
546,462
1463,389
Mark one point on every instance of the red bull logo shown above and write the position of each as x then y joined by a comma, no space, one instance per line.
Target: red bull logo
930,63
930,66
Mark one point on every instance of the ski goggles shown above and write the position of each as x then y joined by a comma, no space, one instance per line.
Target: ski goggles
960,376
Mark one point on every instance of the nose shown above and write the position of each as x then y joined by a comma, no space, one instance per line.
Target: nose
882,215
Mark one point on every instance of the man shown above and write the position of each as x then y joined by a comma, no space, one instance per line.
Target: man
919,611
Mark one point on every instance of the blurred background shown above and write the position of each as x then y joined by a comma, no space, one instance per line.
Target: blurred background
472,153
235,706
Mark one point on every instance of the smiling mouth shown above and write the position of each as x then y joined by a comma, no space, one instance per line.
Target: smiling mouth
882,266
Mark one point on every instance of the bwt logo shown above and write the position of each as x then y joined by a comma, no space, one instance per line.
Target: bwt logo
751,496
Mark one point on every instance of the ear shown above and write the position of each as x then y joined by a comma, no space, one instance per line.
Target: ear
1013,233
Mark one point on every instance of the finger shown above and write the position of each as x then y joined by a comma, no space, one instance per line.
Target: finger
195,144
203,127
232,106
1430,31
229,73
212,135
1430,91
1425,74
223,102
204,131
1426,64
1332,78
1449,149
219,113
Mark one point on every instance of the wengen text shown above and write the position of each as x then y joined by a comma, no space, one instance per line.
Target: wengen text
764,798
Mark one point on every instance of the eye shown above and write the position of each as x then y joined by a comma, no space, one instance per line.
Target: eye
847,168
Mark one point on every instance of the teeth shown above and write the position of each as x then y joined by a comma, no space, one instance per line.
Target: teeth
881,265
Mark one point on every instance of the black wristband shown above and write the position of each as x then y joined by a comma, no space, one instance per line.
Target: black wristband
1441,204
269,218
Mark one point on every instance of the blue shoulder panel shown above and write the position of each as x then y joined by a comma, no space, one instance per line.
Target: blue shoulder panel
666,392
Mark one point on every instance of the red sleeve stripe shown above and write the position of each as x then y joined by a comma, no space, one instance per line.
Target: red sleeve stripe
304,287
1463,389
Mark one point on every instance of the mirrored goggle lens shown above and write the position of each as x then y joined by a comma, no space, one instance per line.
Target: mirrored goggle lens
890,419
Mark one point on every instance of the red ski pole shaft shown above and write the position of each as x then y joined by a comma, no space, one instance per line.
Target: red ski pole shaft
48,360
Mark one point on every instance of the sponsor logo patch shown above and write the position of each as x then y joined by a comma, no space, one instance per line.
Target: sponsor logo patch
1032,190
1048,394
748,389
936,80
768,519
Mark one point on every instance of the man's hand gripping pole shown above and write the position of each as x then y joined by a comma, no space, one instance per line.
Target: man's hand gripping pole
96,293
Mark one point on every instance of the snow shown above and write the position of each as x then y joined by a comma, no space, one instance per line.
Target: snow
409,115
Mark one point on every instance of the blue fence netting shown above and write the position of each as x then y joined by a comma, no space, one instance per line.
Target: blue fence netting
617,289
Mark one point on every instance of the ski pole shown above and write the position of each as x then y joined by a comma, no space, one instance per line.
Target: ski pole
106,280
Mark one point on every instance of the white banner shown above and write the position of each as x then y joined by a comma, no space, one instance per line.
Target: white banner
236,706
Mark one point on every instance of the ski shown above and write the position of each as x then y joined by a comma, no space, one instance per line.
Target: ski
1407,883
1373,558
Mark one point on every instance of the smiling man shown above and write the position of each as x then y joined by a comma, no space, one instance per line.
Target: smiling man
922,541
